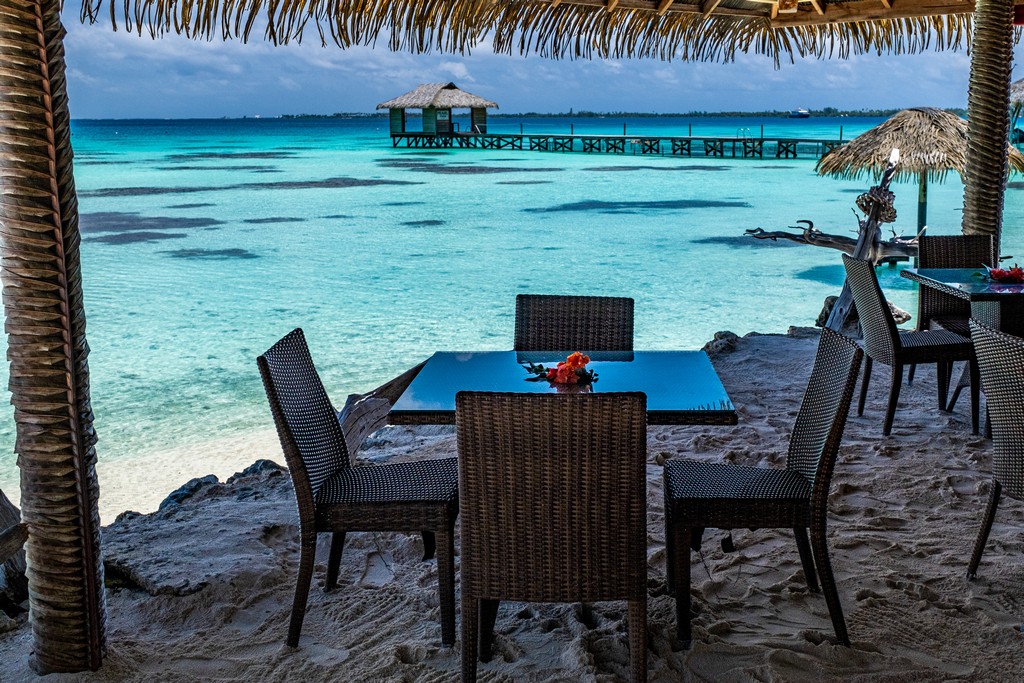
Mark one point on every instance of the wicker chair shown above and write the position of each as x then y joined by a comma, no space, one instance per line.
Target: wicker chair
335,497
573,323
1001,359
701,495
937,310
886,344
554,508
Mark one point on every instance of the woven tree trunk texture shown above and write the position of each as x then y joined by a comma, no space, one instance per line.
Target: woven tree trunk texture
13,584
42,296
988,118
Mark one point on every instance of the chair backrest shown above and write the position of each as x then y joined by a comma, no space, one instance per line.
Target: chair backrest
950,251
573,323
307,425
881,340
956,251
818,430
552,491
1001,362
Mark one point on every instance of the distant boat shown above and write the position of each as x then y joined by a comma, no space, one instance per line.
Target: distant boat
800,114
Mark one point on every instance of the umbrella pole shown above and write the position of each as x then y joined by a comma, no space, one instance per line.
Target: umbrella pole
922,202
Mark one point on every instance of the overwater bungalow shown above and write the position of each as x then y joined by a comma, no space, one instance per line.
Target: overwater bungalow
437,100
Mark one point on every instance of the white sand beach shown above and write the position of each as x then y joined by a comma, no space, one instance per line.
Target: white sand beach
201,590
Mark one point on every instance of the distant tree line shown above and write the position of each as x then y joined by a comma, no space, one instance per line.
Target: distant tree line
584,114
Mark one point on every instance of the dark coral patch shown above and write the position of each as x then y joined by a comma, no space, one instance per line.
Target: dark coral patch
458,169
423,223
689,167
273,219
211,254
743,241
250,167
120,221
137,237
632,206
326,183
192,156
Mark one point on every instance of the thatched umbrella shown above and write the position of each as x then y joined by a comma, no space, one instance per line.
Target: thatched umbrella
1016,105
39,216
1017,92
932,142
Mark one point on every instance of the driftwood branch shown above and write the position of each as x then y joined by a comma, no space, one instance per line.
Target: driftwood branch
13,583
895,247
877,205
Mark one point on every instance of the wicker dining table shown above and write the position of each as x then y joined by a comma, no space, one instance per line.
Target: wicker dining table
997,305
682,387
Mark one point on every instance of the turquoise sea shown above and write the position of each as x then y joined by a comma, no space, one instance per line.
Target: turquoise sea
206,240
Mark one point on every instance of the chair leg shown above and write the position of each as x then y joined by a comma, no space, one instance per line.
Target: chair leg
670,549
446,586
986,527
681,580
334,560
894,397
488,615
470,629
954,398
942,375
828,582
804,546
975,396
910,373
638,640
306,557
429,545
864,386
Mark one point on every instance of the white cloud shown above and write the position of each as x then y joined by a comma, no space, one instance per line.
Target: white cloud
457,70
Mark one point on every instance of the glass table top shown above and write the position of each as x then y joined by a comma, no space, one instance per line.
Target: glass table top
967,281
681,386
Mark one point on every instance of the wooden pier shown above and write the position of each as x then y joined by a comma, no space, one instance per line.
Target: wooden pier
685,146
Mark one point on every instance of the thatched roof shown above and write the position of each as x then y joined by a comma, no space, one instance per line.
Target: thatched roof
930,141
439,96
709,30
1017,91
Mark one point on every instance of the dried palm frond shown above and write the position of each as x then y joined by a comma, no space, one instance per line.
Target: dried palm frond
566,29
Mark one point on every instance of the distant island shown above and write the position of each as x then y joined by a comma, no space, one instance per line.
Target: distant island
583,114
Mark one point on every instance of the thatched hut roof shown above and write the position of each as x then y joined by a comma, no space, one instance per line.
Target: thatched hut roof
439,96
931,141
709,30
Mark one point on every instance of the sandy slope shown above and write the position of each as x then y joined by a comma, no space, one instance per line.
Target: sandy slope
219,570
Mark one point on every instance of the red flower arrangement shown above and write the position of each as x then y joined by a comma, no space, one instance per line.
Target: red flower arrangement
1008,276
572,370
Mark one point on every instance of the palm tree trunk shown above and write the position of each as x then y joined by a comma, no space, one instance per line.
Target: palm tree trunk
988,118
45,323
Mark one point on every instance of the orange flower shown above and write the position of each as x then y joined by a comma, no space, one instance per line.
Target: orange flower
577,361
566,374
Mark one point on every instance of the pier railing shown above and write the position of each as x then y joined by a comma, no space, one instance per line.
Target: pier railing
687,146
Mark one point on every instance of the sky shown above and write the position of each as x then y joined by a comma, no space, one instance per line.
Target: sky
122,75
